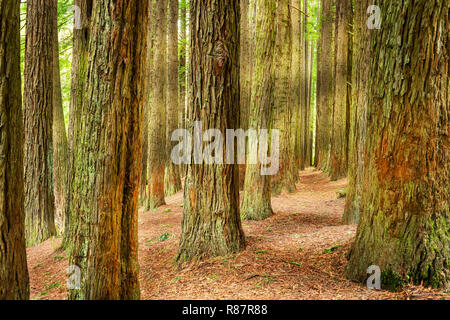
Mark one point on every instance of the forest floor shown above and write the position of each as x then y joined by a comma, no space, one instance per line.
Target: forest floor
299,253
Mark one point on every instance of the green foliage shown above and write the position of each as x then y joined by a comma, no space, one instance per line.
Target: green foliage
165,236
332,249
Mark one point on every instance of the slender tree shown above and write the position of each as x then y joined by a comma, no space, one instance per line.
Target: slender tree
173,180
358,120
342,91
106,170
157,153
324,86
256,203
282,114
38,121
80,56
14,282
211,219
60,144
404,223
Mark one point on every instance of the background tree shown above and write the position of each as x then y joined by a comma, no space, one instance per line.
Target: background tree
211,218
107,164
60,145
404,219
173,180
13,264
157,125
342,91
256,203
282,113
358,120
38,121
324,86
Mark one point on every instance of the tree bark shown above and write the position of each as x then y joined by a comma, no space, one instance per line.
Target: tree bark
38,122
157,120
172,180
358,121
341,105
324,86
404,223
282,114
256,203
60,145
13,263
211,219
106,171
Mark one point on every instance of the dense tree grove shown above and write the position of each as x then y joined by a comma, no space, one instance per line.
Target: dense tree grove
111,111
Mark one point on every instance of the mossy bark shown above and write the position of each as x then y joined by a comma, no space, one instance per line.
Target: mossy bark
404,223
211,219
107,153
38,122
256,203
14,283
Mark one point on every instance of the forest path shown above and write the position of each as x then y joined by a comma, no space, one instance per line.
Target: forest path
299,253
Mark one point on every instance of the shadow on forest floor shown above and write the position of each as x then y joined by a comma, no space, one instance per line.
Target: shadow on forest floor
299,253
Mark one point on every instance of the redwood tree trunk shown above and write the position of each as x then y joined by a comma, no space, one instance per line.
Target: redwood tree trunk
38,108
404,223
324,86
256,203
60,149
211,219
282,113
104,194
341,105
157,125
14,284
173,180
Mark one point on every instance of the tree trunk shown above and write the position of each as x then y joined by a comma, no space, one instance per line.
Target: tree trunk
147,95
404,223
324,86
341,105
211,219
295,6
104,194
282,114
173,180
80,56
245,94
256,203
358,121
157,120
38,108
13,263
60,146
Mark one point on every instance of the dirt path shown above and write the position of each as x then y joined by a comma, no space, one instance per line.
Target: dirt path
299,253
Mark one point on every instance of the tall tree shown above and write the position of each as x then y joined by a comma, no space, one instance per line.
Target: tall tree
358,120
104,194
38,108
295,7
282,113
182,59
157,153
324,86
60,145
256,203
342,91
245,81
211,219
173,180
404,223
147,95
13,263
80,55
